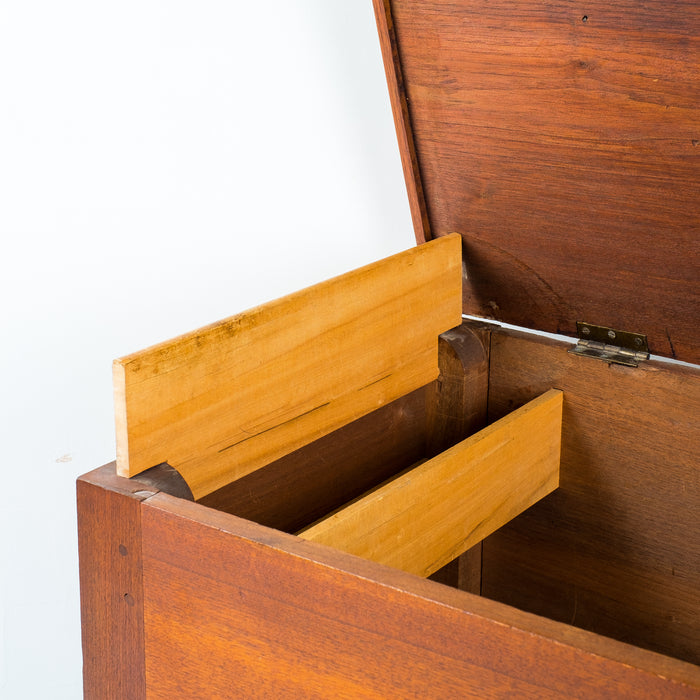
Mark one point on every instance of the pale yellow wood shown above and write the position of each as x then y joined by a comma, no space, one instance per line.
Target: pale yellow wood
424,518
227,399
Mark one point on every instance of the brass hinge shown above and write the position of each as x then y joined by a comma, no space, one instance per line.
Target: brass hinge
618,347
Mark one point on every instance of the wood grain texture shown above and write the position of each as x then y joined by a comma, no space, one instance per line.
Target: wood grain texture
566,151
227,399
298,489
428,516
457,401
111,591
234,609
302,487
402,120
616,549
457,407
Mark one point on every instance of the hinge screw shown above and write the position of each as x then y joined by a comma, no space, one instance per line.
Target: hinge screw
586,330
611,335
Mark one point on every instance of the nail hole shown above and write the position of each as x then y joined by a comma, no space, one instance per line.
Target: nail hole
129,600
122,550
584,18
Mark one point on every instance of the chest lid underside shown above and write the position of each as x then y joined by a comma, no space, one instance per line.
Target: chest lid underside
562,141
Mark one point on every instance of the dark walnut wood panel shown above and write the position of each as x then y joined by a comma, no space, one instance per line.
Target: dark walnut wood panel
616,549
563,142
234,609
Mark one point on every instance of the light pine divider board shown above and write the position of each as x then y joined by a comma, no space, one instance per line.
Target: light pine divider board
222,401
427,516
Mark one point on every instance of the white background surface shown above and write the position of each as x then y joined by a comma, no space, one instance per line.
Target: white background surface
162,165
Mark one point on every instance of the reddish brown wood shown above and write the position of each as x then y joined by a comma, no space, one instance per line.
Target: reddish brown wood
562,140
111,592
616,549
457,401
233,609
402,120
457,408
308,484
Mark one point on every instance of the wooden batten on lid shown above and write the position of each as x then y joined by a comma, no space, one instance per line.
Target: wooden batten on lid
563,142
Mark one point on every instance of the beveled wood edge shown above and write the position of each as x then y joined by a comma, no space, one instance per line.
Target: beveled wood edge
551,632
402,120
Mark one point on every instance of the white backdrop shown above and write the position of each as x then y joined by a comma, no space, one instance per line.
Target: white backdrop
162,165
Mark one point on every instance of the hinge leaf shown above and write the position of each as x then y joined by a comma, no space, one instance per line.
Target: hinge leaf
609,345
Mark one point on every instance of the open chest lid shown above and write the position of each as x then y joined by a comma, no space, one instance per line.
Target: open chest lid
562,141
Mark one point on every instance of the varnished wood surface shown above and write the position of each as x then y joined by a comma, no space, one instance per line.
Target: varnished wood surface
233,609
616,549
457,401
402,121
111,591
426,517
457,407
222,401
304,486
563,142
300,488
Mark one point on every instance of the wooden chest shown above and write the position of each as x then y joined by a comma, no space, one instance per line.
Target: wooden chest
355,491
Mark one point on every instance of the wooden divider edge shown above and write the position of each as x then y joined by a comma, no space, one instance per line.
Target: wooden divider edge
423,519
457,408
227,399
